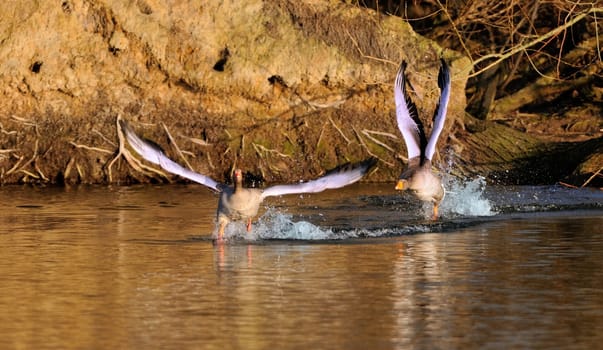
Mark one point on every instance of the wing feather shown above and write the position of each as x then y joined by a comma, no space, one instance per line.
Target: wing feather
407,117
152,152
439,117
339,177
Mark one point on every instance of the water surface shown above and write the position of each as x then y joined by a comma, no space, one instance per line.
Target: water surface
135,267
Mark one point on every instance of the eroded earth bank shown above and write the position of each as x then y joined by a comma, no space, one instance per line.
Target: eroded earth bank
283,89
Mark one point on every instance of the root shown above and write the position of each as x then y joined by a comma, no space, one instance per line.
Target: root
209,162
24,121
322,130
30,174
104,137
366,56
262,151
12,132
339,130
31,160
67,171
176,146
15,167
370,133
102,150
368,149
132,161
197,141
37,168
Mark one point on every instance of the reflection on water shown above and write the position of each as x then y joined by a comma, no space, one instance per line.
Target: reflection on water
97,267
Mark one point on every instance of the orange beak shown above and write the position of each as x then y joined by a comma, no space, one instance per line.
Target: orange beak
401,185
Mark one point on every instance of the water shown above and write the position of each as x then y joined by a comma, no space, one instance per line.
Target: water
135,267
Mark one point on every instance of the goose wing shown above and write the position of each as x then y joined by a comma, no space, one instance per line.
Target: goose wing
342,176
152,152
440,113
407,117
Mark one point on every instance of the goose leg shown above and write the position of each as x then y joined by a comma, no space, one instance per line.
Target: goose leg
435,211
221,231
248,224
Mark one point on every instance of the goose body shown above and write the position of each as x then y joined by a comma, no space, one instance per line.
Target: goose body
418,176
237,202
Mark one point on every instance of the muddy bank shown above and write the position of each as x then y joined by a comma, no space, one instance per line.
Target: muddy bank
283,89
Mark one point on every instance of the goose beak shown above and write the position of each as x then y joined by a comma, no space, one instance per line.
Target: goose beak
401,185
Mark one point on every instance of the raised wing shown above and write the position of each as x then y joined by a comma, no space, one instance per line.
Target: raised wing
153,153
342,176
407,117
440,113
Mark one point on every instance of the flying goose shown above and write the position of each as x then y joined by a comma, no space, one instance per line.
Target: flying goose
237,202
418,176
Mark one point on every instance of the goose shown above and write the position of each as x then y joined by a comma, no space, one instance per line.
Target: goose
237,202
418,176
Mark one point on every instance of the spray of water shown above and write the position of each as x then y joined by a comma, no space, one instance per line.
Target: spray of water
465,198
278,225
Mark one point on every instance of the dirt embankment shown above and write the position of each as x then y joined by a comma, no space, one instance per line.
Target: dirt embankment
283,89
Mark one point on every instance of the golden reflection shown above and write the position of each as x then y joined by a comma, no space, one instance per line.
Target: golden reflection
136,268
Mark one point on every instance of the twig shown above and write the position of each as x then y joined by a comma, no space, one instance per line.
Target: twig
6,132
197,141
33,157
14,168
375,140
382,133
29,173
317,105
362,53
24,121
567,185
104,137
40,172
367,149
592,177
211,165
456,31
265,150
503,56
322,130
133,161
90,148
67,171
80,173
176,146
339,130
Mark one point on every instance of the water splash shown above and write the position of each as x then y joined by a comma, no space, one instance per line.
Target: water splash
278,225
465,198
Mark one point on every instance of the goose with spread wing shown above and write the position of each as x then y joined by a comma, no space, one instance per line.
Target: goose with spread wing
237,202
418,176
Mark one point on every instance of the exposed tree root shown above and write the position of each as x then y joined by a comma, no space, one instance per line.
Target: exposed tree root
102,150
130,159
368,150
176,146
